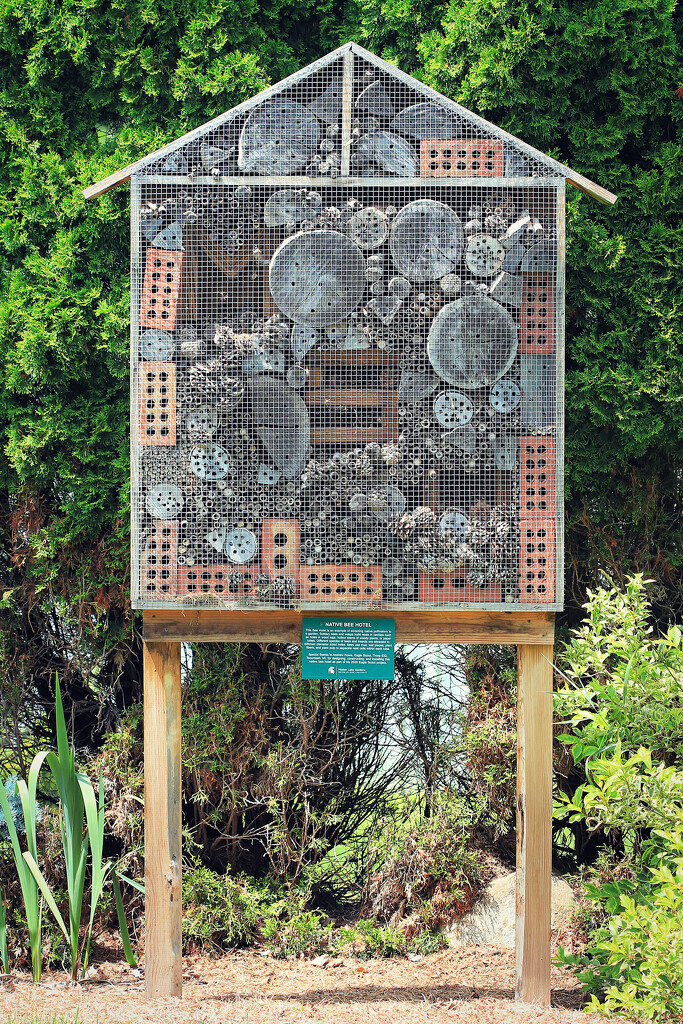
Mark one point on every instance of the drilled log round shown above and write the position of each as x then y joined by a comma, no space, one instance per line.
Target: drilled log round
374,101
278,137
390,152
209,462
426,240
164,501
286,206
157,346
484,255
472,342
317,277
428,121
368,228
453,409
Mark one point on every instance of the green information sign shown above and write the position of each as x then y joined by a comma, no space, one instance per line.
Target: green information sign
347,648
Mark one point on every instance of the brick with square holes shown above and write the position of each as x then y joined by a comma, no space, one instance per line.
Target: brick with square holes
536,477
227,582
537,315
157,403
537,561
280,544
159,561
326,584
461,158
453,588
161,289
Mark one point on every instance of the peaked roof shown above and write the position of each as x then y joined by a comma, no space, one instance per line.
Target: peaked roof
556,168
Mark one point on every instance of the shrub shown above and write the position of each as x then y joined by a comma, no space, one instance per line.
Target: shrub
623,696
367,938
223,910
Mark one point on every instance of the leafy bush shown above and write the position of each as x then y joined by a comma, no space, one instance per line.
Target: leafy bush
291,930
367,938
623,696
223,910
427,873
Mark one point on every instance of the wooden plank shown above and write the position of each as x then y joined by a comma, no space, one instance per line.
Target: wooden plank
560,291
534,821
353,397
324,182
163,897
412,625
351,435
347,109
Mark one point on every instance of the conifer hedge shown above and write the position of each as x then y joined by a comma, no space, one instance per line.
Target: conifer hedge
87,86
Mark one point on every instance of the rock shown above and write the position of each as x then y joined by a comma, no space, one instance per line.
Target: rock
492,921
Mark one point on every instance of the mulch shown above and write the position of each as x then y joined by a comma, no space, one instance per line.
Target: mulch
473,984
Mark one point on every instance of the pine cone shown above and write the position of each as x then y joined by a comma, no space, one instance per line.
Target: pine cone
423,517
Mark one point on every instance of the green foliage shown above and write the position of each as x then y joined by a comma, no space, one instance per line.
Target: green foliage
593,83
4,956
622,696
291,930
81,824
222,911
366,939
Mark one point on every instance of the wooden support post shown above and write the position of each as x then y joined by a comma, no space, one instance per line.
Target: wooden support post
347,112
534,821
163,899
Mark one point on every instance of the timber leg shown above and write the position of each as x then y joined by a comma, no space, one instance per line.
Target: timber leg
534,819
163,899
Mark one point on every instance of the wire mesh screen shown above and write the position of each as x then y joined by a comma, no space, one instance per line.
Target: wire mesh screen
347,355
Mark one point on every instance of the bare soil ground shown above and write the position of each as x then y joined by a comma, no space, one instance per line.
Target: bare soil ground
473,984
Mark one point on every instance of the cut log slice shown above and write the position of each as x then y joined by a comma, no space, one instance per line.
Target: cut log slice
287,206
329,104
317,277
368,228
157,346
472,342
539,259
375,102
281,421
170,239
209,462
390,152
303,339
414,386
164,501
278,137
428,121
426,240
484,255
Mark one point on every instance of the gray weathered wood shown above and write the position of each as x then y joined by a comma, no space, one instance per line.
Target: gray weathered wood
374,101
537,381
415,386
472,341
484,255
170,238
308,181
279,137
507,288
157,346
539,259
303,339
281,421
560,230
328,105
317,277
429,121
368,228
426,240
390,152
287,206
165,501
347,107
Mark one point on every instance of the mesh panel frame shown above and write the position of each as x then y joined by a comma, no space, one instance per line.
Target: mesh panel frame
354,359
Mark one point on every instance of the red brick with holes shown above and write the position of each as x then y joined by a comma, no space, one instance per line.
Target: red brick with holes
161,289
159,560
157,403
537,315
453,588
342,583
536,477
461,158
537,561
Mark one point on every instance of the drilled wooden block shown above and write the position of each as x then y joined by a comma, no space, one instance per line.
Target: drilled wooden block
343,583
537,315
157,403
461,158
280,546
161,289
159,561
536,477
229,583
537,562
453,588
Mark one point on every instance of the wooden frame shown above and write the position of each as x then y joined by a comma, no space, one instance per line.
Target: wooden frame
164,631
